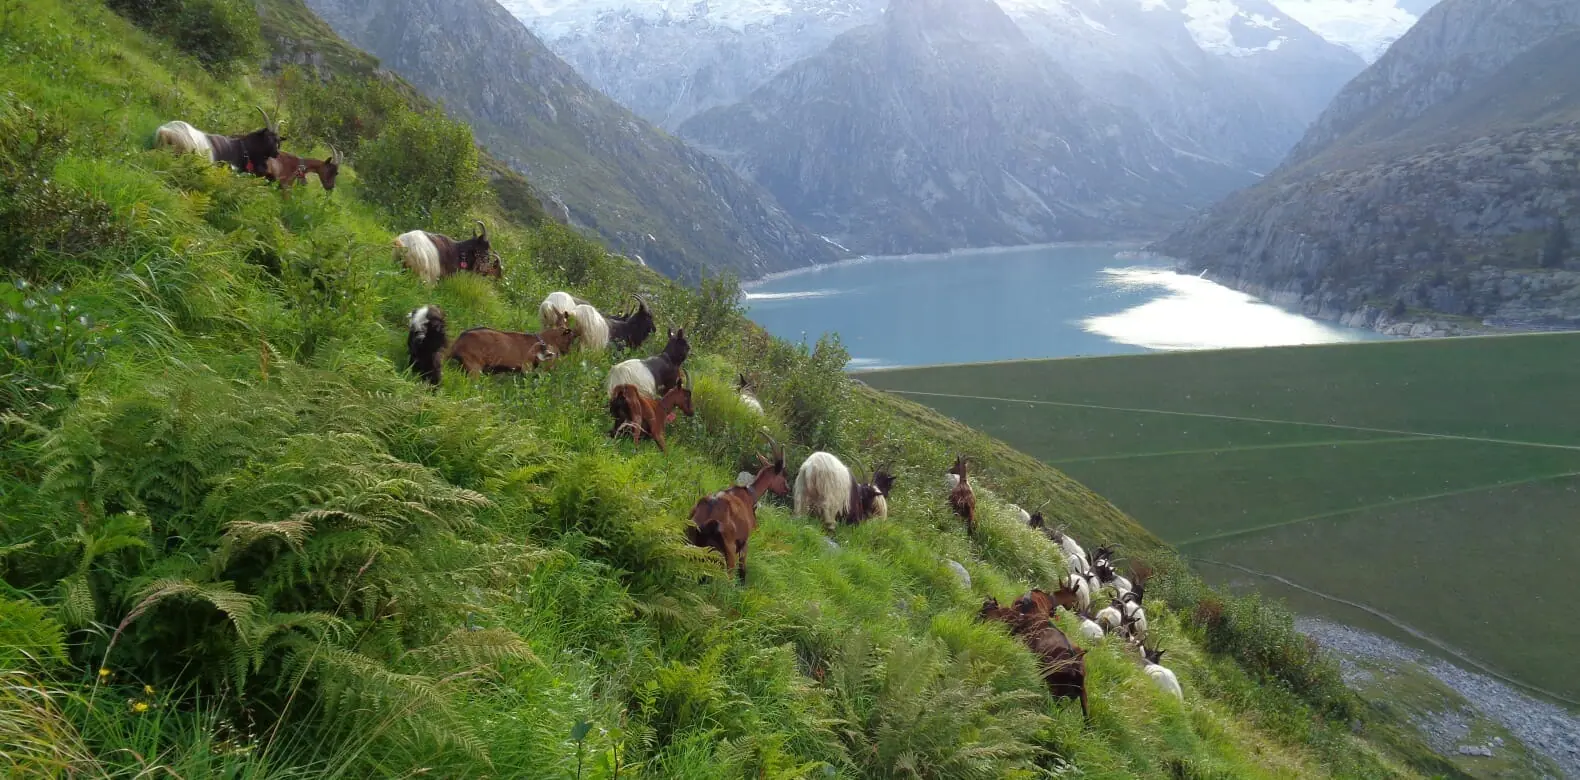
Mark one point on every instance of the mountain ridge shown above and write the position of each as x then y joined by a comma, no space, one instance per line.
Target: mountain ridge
1437,196
642,190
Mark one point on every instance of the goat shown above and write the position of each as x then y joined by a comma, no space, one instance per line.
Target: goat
425,342
1110,579
1063,664
748,398
1133,624
825,488
481,350
433,256
962,500
1077,585
725,520
1162,676
249,152
1025,517
652,376
1110,617
557,305
1103,554
288,169
1090,630
1067,543
640,415
632,329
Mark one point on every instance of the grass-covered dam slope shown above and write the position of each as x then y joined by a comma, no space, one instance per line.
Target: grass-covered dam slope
238,540
1432,482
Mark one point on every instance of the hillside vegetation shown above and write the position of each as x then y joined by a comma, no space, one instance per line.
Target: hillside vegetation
1331,466
239,541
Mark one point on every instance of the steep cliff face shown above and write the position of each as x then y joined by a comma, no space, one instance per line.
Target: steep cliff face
645,192
1443,182
945,126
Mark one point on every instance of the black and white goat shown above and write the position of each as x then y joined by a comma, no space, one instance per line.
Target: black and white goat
825,488
425,342
653,376
433,256
748,398
249,152
1162,676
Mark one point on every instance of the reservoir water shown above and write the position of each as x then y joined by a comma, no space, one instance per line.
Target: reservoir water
1030,302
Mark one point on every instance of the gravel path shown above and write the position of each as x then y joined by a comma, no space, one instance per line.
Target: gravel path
1546,728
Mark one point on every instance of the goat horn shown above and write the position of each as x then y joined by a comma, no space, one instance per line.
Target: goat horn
642,301
267,122
778,451
334,154
638,300
482,226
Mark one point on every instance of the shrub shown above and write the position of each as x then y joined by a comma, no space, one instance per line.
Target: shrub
45,344
560,249
221,34
813,392
718,312
423,169
345,113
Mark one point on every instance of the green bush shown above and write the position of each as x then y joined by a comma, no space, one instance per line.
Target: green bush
221,34
344,113
423,169
568,254
46,343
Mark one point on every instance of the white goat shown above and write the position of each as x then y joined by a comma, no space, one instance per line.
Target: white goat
823,489
1083,593
748,398
592,330
1089,629
556,305
1109,617
1069,545
1025,517
417,251
1162,676
1134,621
632,372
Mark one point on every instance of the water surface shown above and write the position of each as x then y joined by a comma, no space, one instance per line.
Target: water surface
1032,302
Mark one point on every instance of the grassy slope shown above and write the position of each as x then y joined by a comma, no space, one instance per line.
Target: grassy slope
247,429
1337,455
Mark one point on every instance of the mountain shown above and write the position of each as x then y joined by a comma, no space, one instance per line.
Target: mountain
642,190
1443,184
1237,81
944,126
1366,27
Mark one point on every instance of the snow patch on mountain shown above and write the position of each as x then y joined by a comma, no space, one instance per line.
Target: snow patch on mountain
1366,27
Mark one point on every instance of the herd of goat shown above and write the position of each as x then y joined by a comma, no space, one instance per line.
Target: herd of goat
645,393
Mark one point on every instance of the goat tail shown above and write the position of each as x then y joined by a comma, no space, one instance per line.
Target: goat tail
184,139
591,327
822,488
416,251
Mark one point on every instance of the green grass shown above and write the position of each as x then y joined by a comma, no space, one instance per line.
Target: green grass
1337,467
238,541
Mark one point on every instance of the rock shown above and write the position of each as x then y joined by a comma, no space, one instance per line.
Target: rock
960,573
1475,750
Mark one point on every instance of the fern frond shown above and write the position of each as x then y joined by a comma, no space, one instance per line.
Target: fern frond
468,651
238,607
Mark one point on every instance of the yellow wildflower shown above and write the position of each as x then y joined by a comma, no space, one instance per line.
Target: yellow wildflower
141,706
103,672
148,689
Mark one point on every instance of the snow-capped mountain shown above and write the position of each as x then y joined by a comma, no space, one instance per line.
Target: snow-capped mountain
1234,80
1366,27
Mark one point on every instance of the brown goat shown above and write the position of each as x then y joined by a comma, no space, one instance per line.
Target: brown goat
289,170
497,351
962,499
632,411
1040,603
1063,664
725,520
